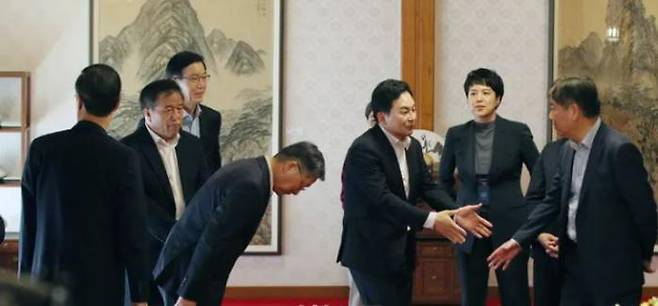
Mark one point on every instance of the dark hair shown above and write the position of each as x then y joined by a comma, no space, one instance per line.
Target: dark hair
368,111
579,90
486,77
385,93
180,61
307,154
148,98
99,89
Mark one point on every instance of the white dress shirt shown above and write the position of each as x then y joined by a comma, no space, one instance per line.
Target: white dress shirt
167,150
400,147
578,168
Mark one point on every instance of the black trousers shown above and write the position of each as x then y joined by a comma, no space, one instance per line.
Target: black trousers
388,290
474,276
546,274
575,291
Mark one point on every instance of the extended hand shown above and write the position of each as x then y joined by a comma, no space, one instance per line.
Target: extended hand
646,264
185,302
444,225
550,244
468,218
139,304
504,254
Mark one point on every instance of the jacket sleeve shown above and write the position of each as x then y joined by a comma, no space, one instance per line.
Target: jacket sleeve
28,213
632,179
364,172
222,240
448,164
131,215
529,152
544,213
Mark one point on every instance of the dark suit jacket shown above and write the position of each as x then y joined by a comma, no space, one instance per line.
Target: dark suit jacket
616,216
542,178
210,123
83,216
375,237
217,226
512,147
161,206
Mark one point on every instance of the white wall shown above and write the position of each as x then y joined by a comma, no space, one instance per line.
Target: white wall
334,54
509,36
50,39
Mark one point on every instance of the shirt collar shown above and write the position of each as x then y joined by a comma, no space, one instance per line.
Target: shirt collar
195,114
269,169
159,140
589,137
395,142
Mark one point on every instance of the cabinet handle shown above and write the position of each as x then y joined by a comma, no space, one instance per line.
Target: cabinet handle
434,277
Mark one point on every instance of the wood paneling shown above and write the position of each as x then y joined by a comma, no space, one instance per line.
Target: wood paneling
418,56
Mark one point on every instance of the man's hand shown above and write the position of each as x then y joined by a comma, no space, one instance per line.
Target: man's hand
550,244
185,302
444,225
139,304
504,254
468,218
646,264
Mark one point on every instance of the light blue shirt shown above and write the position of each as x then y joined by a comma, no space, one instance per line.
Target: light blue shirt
191,122
578,168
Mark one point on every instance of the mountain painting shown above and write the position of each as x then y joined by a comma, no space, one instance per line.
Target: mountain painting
615,42
239,40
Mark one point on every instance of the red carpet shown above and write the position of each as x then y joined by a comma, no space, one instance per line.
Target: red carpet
300,302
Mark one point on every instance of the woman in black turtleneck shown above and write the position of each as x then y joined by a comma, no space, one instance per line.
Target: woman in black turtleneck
488,153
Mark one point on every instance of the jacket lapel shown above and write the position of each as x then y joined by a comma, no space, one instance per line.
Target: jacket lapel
593,160
469,149
185,168
152,156
391,161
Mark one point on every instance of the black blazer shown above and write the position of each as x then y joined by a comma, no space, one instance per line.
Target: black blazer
161,206
83,216
542,178
210,123
616,217
215,229
375,235
512,147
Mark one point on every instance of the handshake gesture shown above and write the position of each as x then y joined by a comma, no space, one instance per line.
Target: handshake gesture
453,224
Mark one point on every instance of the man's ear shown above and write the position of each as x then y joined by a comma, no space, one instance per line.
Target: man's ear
380,117
78,101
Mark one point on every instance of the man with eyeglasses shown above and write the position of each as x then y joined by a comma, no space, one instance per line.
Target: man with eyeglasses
188,69
172,163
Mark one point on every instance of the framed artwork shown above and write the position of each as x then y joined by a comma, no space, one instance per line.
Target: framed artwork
616,44
240,41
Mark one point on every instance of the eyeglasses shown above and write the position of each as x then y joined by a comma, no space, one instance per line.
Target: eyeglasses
197,78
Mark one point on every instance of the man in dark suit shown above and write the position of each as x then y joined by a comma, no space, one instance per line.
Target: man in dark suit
544,250
83,204
188,69
384,176
223,216
488,153
172,162
607,213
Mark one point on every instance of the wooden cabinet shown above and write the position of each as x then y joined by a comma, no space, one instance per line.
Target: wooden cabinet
9,255
436,280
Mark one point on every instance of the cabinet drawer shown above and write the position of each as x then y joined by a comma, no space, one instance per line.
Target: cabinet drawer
435,250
